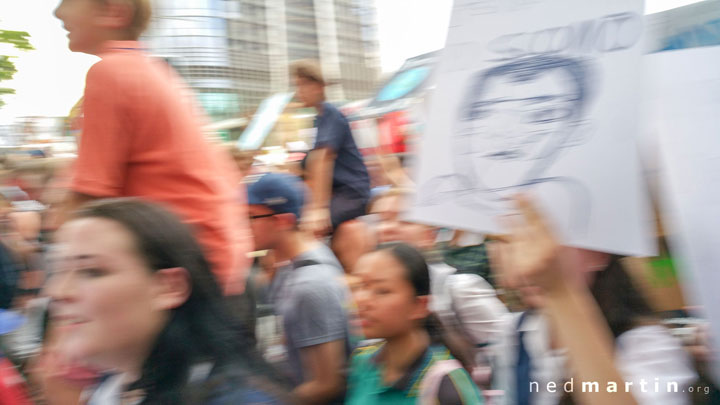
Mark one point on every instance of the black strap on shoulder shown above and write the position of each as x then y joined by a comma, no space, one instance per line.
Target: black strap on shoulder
304,263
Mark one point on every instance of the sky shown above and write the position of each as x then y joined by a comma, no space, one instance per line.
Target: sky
50,78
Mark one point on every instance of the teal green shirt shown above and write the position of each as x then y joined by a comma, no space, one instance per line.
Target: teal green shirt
365,385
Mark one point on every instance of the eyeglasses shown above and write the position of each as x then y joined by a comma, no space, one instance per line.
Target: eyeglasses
253,217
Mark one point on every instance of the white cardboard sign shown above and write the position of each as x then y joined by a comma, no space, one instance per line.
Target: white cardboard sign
684,105
539,96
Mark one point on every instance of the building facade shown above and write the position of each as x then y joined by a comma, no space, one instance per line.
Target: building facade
235,53
689,26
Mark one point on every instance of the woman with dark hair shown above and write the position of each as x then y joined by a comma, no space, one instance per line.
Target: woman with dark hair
412,365
133,295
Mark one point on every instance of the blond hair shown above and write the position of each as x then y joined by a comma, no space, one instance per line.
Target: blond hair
142,13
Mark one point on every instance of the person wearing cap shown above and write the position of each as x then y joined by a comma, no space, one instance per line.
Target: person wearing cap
307,290
336,172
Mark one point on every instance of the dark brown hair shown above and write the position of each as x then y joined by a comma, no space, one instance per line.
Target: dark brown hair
622,304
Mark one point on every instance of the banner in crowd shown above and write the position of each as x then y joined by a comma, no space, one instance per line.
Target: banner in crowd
539,96
263,121
684,101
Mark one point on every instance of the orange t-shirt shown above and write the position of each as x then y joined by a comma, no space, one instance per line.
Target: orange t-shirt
142,136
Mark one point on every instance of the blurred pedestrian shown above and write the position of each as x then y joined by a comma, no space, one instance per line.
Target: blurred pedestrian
336,171
10,267
411,366
141,135
466,304
133,296
307,290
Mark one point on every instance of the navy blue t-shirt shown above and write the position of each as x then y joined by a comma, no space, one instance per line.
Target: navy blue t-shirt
350,175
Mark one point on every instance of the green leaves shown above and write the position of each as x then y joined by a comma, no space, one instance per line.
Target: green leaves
20,40
7,68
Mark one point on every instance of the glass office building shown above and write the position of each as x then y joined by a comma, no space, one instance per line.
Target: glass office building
235,53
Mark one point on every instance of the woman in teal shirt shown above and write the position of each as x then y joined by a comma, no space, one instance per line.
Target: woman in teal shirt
392,304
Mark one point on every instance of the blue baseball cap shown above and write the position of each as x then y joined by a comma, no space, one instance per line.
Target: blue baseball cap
282,193
9,321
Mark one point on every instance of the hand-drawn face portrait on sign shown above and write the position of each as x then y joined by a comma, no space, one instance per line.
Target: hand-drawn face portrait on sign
540,98
516,118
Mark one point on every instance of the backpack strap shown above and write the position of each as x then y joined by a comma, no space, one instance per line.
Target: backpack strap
430,385
304,263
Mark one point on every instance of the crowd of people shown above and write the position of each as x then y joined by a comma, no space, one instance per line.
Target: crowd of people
154,269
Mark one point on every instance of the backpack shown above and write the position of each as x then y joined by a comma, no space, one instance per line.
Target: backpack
430,385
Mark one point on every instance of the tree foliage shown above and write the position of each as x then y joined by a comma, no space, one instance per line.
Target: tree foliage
20,40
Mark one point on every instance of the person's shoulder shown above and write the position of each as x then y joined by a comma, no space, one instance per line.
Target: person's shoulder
473,283
649,345
327,257
319,281
651,352
114,63
441,269
648,339
114,71
439,352
334,112
365,353
316,279
646,333
362,362
331,109
104,70
319,263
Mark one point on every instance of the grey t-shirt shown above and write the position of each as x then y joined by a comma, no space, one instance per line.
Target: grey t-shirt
312,300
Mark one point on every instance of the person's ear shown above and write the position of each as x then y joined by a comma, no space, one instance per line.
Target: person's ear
115,14
173,288
421,310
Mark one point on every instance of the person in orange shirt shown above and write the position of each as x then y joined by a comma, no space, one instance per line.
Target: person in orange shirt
141,136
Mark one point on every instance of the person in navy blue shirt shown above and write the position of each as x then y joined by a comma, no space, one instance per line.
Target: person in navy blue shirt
336,172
